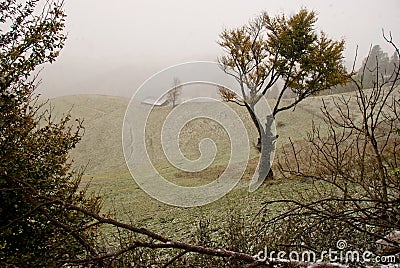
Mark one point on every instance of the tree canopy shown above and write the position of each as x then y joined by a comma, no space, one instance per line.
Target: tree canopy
34,147
287,49
376,63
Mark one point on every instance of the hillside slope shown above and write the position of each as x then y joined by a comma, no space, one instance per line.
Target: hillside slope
101,146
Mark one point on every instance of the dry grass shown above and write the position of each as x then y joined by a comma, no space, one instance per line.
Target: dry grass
101,150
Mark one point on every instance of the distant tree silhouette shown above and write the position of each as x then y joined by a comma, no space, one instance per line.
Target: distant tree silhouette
175,92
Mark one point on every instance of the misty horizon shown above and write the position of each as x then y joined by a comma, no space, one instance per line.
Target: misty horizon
113,48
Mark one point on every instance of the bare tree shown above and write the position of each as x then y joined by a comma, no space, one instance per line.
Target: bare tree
352,164
175,92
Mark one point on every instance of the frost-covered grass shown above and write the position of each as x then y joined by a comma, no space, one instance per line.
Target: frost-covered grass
101,152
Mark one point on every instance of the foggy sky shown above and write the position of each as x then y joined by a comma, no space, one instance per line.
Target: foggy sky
114,46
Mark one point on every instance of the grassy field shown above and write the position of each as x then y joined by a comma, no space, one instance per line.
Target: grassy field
106,173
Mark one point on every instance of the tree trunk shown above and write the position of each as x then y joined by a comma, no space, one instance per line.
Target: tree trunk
250,109
266,140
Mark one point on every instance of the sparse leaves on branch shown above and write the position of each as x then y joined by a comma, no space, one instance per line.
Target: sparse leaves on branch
286,49
283,51
350,162
34,147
